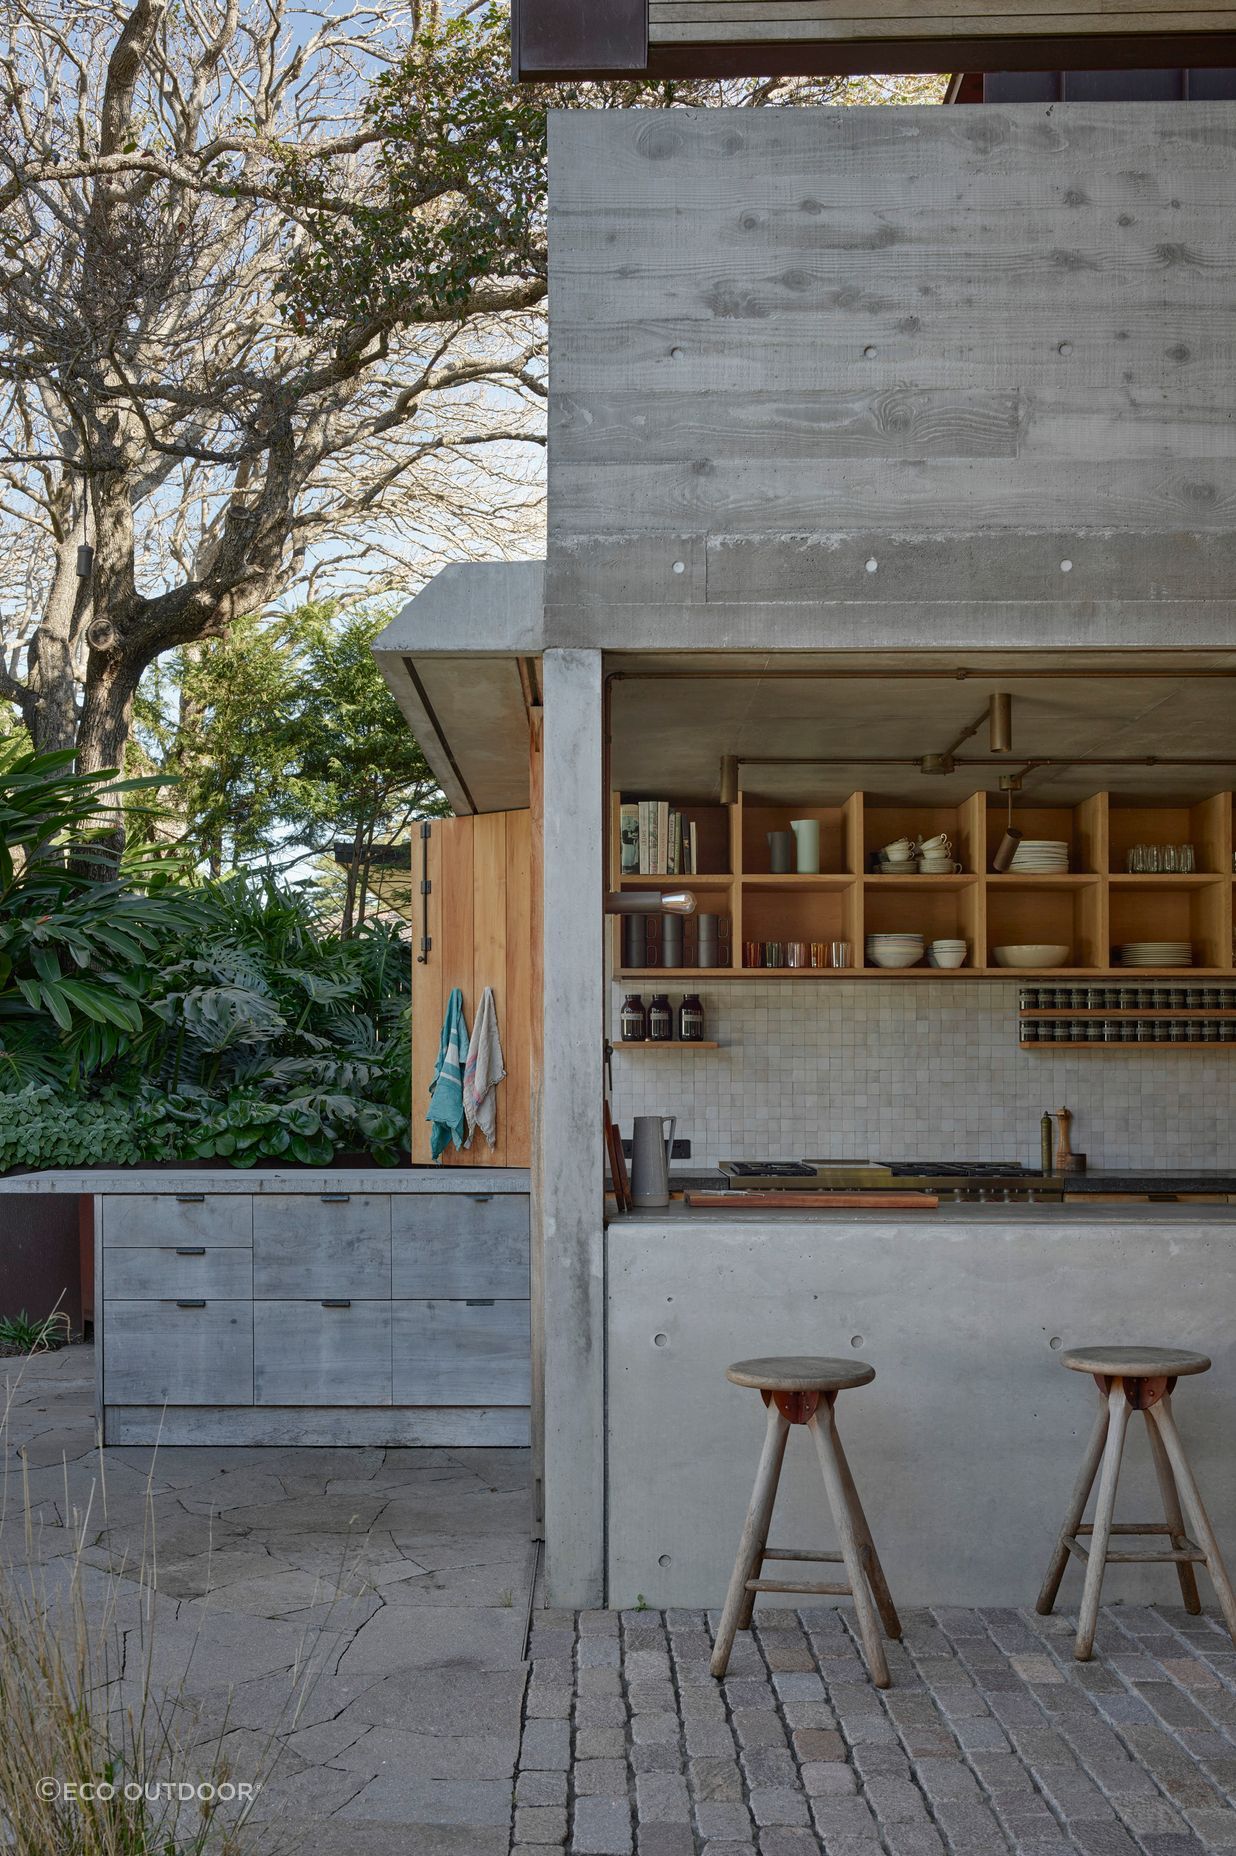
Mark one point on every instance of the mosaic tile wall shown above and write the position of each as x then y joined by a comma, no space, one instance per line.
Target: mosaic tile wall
917,1071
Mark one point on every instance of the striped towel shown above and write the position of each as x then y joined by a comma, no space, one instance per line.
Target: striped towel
484,1070
446,1104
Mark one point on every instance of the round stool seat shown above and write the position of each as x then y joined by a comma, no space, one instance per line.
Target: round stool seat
1135,1362
800,1372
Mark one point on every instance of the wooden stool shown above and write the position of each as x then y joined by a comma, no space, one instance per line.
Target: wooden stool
802,1390
1136,1379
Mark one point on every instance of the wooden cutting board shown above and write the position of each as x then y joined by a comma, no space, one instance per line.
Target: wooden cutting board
812,1201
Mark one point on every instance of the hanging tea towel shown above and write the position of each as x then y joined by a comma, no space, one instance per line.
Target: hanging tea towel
446,1104
484,1070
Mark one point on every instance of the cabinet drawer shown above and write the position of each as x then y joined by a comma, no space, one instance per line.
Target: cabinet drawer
305,1354
134,1273
309,1245
462,1353
158,1352
164,1218
453,1244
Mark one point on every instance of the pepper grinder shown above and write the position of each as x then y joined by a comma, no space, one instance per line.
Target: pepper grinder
1045,1144
1066,1160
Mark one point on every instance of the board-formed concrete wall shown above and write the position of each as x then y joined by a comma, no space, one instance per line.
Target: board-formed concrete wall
886,377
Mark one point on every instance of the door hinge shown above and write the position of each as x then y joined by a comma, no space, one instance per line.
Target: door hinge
426,892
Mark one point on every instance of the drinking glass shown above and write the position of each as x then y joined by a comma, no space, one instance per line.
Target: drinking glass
1188,859
796,953
839,953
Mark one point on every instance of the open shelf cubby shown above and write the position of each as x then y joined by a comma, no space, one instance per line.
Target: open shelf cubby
1092,909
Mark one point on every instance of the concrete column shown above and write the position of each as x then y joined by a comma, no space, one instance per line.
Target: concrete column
571,1147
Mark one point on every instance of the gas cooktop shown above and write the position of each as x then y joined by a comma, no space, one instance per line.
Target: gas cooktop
1005,1179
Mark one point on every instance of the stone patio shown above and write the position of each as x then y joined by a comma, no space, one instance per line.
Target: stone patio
993,1739
397,1578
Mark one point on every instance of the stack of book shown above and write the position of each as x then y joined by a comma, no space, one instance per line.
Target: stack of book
657,840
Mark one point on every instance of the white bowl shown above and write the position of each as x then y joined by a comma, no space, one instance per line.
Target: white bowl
948,956
892,957
1031,954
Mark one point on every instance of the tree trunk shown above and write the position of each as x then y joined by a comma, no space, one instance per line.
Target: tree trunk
107,711
102,735
51,714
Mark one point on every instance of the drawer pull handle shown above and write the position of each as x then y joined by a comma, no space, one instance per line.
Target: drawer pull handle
481,1198
479,1301
343,1302
190,1198
190,1304
335,1198
190,1250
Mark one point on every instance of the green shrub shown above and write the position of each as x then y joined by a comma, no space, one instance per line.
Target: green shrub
41,1126
146,1017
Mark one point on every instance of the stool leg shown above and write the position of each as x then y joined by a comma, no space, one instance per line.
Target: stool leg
754,1536
1199,1521
851,1549
1104,1513
1077,1508
875,1572
1172,1515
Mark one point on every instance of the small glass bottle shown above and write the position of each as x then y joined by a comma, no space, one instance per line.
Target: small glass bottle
691,1019
660,1019
634,1020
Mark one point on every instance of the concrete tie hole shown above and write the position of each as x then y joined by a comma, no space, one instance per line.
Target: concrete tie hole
680,567
660,1340
856,1340
1055,1343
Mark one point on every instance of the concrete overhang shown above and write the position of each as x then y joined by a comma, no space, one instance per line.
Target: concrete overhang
454,660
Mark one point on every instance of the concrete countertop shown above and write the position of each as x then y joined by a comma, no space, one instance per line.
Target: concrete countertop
472,1179
705,1181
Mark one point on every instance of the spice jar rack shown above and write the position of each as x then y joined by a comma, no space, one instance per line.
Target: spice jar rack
1191,1016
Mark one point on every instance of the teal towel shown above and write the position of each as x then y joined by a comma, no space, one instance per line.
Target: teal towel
446,1104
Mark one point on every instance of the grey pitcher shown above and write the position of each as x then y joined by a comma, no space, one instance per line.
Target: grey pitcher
650,1154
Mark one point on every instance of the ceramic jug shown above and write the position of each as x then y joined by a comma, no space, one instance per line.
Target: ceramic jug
650,1154
806,845
778,852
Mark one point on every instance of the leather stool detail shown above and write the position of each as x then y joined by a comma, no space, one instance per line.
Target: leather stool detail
803,1390
1136,1379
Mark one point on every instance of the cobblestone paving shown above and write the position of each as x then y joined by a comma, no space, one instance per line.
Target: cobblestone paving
993,1739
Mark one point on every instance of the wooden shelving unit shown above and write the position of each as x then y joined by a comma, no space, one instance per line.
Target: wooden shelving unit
1093,908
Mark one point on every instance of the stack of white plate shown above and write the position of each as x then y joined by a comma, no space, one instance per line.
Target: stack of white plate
1155,954
1040,856
894,950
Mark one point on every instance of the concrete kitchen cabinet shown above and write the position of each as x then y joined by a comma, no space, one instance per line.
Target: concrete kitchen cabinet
335,1352
333,1312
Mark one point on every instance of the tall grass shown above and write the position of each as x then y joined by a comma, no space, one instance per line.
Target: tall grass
96,1759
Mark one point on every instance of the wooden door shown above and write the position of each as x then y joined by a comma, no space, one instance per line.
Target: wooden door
480,933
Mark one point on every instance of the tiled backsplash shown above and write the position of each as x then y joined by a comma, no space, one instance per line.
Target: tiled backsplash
926,1071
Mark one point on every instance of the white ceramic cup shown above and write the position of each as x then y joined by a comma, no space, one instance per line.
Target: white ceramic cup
899,852
939,843
938,866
